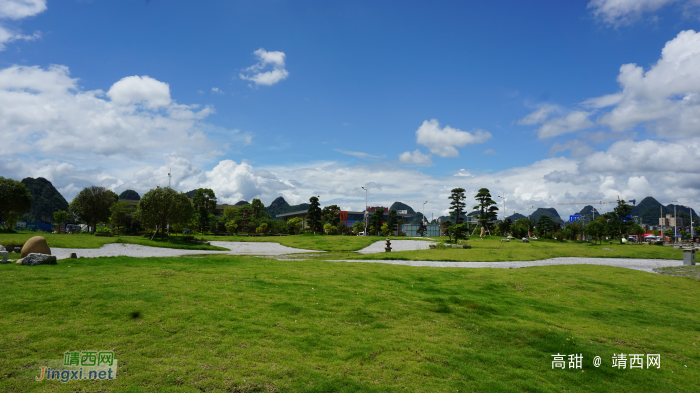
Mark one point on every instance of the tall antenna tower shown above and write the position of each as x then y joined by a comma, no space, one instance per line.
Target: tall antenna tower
169,175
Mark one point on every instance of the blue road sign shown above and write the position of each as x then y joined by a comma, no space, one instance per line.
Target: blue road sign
575,217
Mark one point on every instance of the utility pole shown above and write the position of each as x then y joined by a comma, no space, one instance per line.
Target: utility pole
504,206
424,210
169,175
691,227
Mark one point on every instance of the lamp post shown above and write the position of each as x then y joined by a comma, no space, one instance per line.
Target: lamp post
424,210
504,206
691,225
366,215
675,222
528,220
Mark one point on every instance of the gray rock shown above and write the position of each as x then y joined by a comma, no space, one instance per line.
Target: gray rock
525,240
2,248
3,254
34,259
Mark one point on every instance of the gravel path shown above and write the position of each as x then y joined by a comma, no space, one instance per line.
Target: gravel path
397,245
138,251
646,265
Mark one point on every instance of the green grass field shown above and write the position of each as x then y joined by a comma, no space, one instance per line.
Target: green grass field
246,324
310,242
91,241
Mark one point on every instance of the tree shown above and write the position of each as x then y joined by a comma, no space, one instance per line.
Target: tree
314,217
393,221
204,203
60,217
545,225
294,225
575,229
596,229
331,215
521,228
162,206
119,214
620,222
504,226
92,205
457,205
421,230
486,208
669,233
231,227
15,200
358,227
258,209
375,221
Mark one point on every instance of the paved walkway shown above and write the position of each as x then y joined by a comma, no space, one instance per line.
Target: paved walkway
646,265
138,251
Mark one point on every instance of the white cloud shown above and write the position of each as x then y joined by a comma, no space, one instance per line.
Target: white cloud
415,157
19,9
489,152
216,90
274,61
623,12
572,122
666,97
359,154
577,147
442,141
538,116
43,112
140,89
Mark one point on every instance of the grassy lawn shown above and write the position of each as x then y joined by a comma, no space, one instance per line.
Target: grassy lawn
309,242
246,324
91,241
492,249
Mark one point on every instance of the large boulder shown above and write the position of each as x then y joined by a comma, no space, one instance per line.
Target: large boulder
35,245
38,259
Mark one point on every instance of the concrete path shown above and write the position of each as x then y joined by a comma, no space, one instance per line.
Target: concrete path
646,265
138,251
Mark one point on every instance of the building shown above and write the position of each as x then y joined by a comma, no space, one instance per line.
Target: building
670,221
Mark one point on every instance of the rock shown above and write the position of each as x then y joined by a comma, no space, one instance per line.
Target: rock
34,259
73,255
483,232
3,254
2,248
525,240
505,240
35,245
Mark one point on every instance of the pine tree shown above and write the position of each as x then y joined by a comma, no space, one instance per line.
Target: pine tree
486,208
314,217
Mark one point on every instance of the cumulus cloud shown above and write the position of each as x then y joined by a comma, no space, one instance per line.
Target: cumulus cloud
44,111
489,152
623,12
18,9
666,97
415,157
572,122
269,70
140,89
216,90
443,141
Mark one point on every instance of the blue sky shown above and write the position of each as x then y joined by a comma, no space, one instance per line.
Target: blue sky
270,98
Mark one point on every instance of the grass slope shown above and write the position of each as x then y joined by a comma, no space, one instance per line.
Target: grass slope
91,241
244,324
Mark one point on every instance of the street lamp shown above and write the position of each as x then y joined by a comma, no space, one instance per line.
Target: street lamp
424,210
366,215
504,206
675,222
529,223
